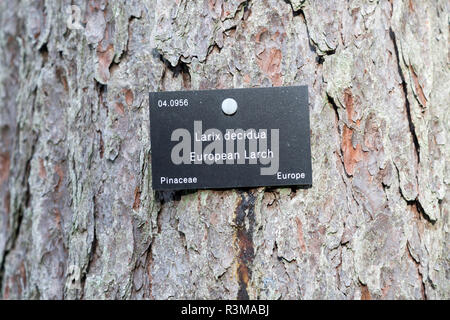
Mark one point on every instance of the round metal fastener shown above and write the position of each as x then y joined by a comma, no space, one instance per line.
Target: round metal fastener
229,106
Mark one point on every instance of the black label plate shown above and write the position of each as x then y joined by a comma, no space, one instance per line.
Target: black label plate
196,145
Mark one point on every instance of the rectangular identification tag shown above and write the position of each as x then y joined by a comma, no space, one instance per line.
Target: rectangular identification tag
230,138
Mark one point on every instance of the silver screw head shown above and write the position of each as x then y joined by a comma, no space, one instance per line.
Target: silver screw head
229,106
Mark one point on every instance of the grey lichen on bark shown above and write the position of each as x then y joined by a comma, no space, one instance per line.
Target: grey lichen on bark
78,216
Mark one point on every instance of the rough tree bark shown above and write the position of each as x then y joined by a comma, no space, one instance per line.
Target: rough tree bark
78,217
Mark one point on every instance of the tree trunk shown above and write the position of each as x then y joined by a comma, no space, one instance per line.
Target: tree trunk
78,216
